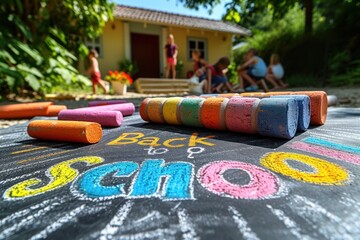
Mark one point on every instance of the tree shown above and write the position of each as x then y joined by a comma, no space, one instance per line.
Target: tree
40,39
244,9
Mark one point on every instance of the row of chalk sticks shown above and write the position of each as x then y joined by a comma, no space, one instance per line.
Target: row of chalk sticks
82,125
273,114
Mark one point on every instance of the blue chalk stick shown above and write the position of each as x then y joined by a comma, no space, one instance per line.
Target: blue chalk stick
278,117
303,102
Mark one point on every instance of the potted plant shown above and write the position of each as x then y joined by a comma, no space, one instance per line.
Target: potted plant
128,67
119,81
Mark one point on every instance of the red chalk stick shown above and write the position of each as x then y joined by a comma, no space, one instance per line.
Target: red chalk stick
104,102
24,110
126,109
104,118
66,131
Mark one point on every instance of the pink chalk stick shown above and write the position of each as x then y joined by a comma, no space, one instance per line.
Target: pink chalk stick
327,152
126,109
262,183
104,102
104,118
240,114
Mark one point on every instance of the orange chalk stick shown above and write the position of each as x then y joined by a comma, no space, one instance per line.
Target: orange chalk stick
24,110
318,103
66,131
212,113
54,110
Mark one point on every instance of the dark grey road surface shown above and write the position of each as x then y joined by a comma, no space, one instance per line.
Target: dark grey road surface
148,181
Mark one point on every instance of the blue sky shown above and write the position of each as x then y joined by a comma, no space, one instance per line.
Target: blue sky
175,7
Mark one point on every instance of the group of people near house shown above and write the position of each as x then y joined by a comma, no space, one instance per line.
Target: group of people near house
212,78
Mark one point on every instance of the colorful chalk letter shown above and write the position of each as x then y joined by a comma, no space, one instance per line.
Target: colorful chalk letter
262,183
59,174
90,182
326,152
333,145
324,173
177,186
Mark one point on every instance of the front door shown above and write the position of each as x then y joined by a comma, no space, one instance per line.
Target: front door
145,54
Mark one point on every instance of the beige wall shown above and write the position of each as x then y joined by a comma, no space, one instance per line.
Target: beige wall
113,47
218,45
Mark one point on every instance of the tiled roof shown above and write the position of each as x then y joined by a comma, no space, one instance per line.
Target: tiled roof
166,18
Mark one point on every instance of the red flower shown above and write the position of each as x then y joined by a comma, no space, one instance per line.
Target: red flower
122,77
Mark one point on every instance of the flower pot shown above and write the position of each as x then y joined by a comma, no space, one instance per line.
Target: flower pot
119,88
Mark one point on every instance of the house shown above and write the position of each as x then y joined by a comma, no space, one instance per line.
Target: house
140,35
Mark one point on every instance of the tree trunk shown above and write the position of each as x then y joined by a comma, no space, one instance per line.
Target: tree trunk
308,16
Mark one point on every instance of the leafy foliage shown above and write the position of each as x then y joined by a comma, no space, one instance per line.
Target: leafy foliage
329,56
344,71
128,67
40,39
244,10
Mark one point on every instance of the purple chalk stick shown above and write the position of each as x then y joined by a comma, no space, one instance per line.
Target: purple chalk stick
104,118
104,102
126,109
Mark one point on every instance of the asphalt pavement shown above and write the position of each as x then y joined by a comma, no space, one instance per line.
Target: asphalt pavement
150,181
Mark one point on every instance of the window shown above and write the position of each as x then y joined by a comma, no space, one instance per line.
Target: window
96,44
197,43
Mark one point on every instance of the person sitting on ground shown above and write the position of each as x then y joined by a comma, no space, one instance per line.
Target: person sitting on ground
252,70
216,78
275,73
199,65
94,72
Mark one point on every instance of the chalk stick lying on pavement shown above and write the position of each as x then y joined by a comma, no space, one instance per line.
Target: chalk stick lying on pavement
332,100
303,102
154,110
189,111
212,113
104,118
54,110
66,131
241,114
277,117
143,109
104,102
170,110
126,109
24,110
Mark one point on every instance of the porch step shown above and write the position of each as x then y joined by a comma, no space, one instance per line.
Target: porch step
161,85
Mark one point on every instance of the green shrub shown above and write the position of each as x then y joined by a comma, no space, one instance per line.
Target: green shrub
232,74
302,81
350,77
35,52
128,67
